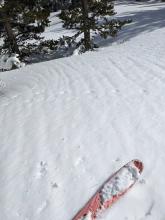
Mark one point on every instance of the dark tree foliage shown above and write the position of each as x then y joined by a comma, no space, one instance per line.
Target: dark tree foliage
22,20
91,16
55,5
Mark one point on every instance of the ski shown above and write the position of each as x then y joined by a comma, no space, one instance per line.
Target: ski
111,190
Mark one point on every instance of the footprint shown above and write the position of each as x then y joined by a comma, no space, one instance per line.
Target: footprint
2,84
42,207
79,165
54,185
78,161
42,170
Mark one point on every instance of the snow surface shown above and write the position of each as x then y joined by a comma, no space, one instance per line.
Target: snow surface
68,124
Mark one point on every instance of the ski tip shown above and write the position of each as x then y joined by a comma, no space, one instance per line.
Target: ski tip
138,164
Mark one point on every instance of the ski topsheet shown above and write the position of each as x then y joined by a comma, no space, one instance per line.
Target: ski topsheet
115,187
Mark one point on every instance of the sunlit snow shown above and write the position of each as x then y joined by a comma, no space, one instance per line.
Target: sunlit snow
68,124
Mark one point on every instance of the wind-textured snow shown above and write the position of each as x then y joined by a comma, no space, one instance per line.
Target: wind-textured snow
68,124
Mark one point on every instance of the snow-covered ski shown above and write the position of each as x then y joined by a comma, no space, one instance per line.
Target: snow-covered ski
115,187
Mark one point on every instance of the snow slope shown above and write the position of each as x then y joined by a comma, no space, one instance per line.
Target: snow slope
68,124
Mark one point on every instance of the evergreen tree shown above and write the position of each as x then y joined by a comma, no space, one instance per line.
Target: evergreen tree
22,20
91,16
55,5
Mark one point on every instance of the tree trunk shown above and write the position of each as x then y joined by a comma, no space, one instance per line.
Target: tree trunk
86,29
11,37
74,3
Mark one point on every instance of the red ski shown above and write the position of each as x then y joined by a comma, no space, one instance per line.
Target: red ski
115,187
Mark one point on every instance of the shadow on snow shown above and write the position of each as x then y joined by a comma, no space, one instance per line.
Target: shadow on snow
142,21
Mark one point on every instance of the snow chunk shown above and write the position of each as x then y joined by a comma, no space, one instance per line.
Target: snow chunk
87,217
119,182
8,63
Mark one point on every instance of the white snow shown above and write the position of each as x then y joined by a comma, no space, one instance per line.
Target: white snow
68,124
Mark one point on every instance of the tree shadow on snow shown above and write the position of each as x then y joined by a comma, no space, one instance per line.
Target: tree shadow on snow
142,21
140,2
